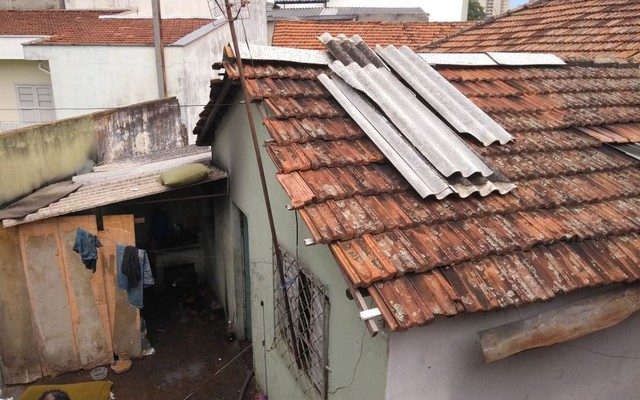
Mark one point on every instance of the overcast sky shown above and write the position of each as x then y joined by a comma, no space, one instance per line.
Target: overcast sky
516,3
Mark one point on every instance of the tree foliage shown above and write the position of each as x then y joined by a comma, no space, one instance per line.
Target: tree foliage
475,12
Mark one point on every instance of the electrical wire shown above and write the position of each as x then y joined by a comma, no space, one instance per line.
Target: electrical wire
114,107
353,377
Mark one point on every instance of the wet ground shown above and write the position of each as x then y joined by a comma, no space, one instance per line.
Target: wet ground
194,360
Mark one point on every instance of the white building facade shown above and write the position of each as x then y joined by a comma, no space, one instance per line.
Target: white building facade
71,79
438,10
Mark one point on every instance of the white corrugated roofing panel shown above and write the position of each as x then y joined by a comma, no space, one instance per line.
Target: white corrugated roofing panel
525,59
461,59
113,189
260,52
454,107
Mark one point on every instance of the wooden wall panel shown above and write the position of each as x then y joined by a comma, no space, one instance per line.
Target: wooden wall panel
87,296
125,319
49,296
20,360
56,315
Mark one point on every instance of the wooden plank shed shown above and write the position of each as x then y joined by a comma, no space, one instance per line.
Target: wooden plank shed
55,314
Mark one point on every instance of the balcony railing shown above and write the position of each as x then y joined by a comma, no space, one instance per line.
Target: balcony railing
11,125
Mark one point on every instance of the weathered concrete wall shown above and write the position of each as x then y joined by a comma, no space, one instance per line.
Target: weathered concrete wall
140,129
35,156
31,4
234,153
444,360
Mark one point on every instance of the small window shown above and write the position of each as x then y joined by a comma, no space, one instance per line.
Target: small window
36,103
310,314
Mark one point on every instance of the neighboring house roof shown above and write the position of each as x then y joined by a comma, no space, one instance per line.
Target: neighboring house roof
66,27
344,13
572,222
131,179
304,34
594,28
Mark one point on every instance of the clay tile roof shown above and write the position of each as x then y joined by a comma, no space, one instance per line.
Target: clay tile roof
594,28
85,27
304,34
572,222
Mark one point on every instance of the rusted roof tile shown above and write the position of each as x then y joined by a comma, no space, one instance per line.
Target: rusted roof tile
572,221
598,28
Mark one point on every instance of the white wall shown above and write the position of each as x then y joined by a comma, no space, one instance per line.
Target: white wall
169,8
444,361
11,46
87,77
439,10
189,72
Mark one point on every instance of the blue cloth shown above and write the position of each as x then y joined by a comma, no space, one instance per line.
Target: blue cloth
134,295
87,245
147,275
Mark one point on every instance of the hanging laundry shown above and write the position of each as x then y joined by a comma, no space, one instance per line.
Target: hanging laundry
87,245
134,273
147,275
131,266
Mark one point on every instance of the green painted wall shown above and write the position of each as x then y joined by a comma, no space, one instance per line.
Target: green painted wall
233,152
35,156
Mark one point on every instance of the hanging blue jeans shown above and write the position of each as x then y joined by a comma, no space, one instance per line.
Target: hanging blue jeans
135,294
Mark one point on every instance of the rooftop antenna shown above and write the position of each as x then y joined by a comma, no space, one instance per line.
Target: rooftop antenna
233,10
239,9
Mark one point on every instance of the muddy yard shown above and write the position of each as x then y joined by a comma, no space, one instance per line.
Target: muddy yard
193,361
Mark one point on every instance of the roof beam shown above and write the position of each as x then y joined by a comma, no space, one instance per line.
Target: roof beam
561,324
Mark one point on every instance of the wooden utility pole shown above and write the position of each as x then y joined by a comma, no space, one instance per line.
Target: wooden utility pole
263,182
161,72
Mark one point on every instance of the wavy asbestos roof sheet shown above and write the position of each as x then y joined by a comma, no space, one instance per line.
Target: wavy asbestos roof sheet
416,141
118,183
413,166
453,106
444,149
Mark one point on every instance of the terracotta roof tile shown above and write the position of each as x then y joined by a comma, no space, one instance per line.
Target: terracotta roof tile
572,222
591,28
304,34
66,27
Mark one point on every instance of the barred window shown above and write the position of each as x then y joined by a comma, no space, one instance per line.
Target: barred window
310,314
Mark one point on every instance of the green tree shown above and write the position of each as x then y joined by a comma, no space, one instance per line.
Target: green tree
475,12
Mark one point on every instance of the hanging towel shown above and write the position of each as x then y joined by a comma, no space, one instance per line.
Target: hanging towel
135,293
87,245
147,275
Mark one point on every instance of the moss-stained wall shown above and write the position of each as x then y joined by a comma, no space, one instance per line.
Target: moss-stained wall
35,156
233,152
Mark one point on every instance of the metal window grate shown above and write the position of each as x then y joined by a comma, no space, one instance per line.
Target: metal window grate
310,314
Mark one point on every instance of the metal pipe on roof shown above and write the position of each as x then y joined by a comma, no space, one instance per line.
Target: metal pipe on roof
161,71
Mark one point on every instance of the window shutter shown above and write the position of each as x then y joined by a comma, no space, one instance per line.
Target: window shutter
36,103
